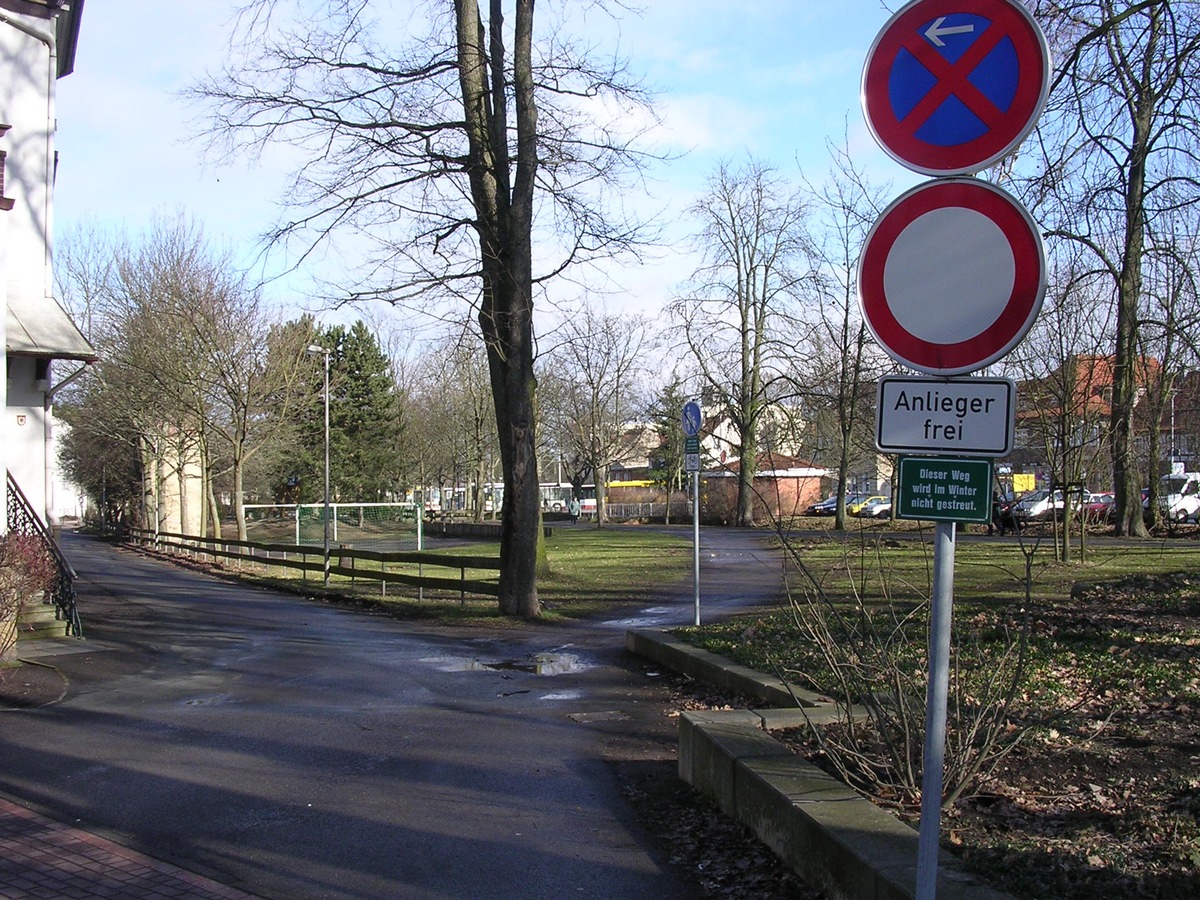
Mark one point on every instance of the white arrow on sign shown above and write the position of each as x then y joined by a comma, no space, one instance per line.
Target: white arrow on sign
936,32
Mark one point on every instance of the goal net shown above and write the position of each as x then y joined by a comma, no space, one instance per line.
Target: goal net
364,526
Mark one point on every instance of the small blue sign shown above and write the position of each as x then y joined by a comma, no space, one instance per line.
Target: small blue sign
691,418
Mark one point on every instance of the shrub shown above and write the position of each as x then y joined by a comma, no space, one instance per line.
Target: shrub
870,656
26,571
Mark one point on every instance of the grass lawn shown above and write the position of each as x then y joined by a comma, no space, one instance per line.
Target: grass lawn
588,570
989,578
591,568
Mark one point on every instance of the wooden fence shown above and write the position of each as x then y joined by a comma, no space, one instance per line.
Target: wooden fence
343,561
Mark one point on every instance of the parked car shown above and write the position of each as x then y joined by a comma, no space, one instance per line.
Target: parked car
826,507
1038,505
1097,509
861,500
876,508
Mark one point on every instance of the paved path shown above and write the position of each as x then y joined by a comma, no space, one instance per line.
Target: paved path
289,749
40,857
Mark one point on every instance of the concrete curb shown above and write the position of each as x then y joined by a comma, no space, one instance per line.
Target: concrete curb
702,665
839,842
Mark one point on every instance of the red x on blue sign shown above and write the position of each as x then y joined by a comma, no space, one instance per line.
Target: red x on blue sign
951,86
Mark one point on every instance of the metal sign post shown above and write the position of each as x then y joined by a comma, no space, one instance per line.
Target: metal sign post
936,693
696,544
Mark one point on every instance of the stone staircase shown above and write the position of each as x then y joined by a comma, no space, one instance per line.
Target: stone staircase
41,620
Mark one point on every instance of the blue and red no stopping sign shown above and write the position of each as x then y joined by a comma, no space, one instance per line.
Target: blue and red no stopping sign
951,86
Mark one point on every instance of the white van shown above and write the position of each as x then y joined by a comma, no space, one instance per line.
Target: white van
1179,496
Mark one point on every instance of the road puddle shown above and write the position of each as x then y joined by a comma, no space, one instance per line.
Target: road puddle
549,663
562,695
653,617
216,700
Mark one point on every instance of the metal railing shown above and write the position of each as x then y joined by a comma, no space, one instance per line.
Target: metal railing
304,558
681,510
23,520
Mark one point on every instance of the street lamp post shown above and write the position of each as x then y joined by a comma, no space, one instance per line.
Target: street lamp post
324,351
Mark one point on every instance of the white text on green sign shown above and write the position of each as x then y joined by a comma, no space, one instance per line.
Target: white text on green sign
945,490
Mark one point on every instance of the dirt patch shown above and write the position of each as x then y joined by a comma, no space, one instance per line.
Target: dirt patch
28,686
720,857
1105,800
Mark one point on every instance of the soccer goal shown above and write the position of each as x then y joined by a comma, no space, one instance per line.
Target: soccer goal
364,526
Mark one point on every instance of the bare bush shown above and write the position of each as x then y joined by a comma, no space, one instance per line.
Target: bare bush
869,655
26,573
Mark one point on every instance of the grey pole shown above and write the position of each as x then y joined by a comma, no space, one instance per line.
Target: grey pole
935,710
316,348
696,541
326,468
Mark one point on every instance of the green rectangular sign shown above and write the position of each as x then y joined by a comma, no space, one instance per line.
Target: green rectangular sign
691,444
945,489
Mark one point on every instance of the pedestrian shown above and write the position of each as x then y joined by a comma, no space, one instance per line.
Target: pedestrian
997,521
573,507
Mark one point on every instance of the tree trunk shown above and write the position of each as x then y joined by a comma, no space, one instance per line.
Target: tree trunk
504,223
1126,484
511,363
181,484
214,509
839,521
601,495
480,475
746,470
239,501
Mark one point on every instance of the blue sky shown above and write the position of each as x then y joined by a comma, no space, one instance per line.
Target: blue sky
772,78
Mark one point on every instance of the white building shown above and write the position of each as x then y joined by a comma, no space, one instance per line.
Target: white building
41,344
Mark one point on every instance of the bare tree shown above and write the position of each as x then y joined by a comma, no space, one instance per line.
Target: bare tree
738,312
150,366
434,156
99,450
457,433
192,365
83,260
1118,153
835,372
1169,318
1064,397
602,365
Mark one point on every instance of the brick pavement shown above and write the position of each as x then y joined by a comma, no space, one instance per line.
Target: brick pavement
42,858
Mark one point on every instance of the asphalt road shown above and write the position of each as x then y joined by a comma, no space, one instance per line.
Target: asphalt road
295,749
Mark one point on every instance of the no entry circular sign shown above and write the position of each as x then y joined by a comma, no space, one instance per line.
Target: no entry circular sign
952,276
951,86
